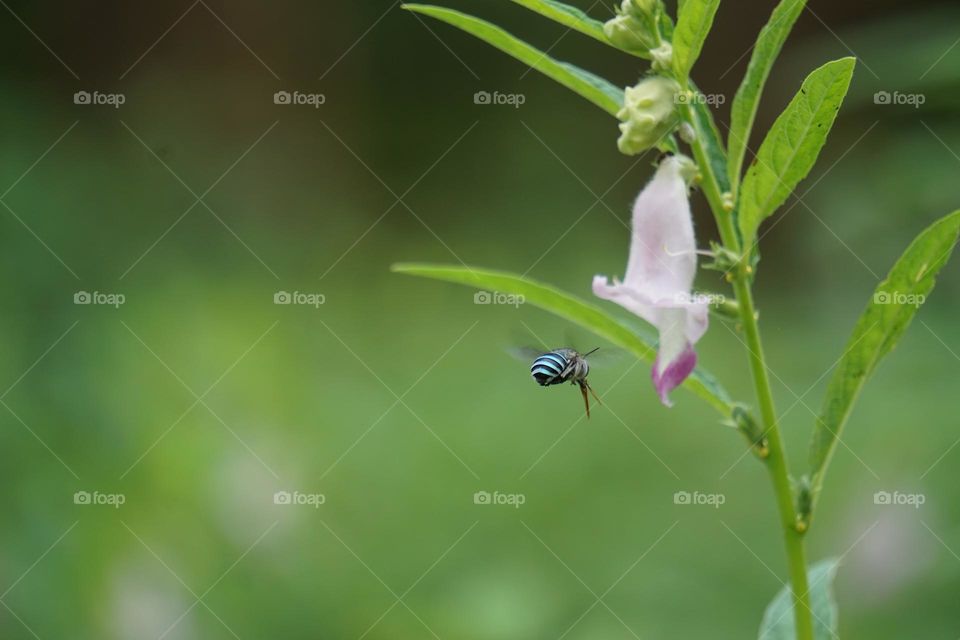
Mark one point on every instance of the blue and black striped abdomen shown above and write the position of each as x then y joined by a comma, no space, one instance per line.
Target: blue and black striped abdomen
550,368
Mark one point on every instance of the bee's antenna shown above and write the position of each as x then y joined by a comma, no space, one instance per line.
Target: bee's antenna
591,351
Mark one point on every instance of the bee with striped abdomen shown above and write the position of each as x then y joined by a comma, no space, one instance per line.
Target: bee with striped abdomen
564,365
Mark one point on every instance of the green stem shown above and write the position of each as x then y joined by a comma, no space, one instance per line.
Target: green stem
776,460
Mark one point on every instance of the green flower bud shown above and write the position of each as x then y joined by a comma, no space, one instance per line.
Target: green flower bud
629,33
742,420
662,57
640,7
634,28
648,114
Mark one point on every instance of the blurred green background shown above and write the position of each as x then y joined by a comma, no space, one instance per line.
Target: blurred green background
199,198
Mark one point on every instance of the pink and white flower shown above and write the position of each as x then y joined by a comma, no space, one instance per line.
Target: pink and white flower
660,271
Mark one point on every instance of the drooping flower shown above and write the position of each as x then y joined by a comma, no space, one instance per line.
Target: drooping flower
658,282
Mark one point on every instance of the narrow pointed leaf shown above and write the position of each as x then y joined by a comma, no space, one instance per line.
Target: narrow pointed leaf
694,19
778,621
712,142
590,86
567,16
745,102
792,145
575,310
889,312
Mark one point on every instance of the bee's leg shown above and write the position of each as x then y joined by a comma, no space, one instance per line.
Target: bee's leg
586,399
587,384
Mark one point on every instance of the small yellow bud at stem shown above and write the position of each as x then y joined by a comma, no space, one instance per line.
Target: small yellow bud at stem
726,200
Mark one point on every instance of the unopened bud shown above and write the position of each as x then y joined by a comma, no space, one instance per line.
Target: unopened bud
662,57
748,426
629,33
726,199
635,28
804,492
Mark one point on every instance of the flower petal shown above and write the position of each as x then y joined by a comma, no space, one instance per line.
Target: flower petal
668,376
636,301
674,362
663,258
660,274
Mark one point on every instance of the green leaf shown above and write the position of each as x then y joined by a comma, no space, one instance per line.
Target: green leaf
793,144
567,16
712,142
592,87
887,316
571,308
778,622
744,107
694,19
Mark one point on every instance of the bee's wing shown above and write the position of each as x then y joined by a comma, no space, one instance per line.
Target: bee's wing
607,356
527,354
600,355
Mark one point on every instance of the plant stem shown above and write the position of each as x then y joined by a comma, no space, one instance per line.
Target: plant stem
776,460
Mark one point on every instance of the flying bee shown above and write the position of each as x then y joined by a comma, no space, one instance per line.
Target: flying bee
564,365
